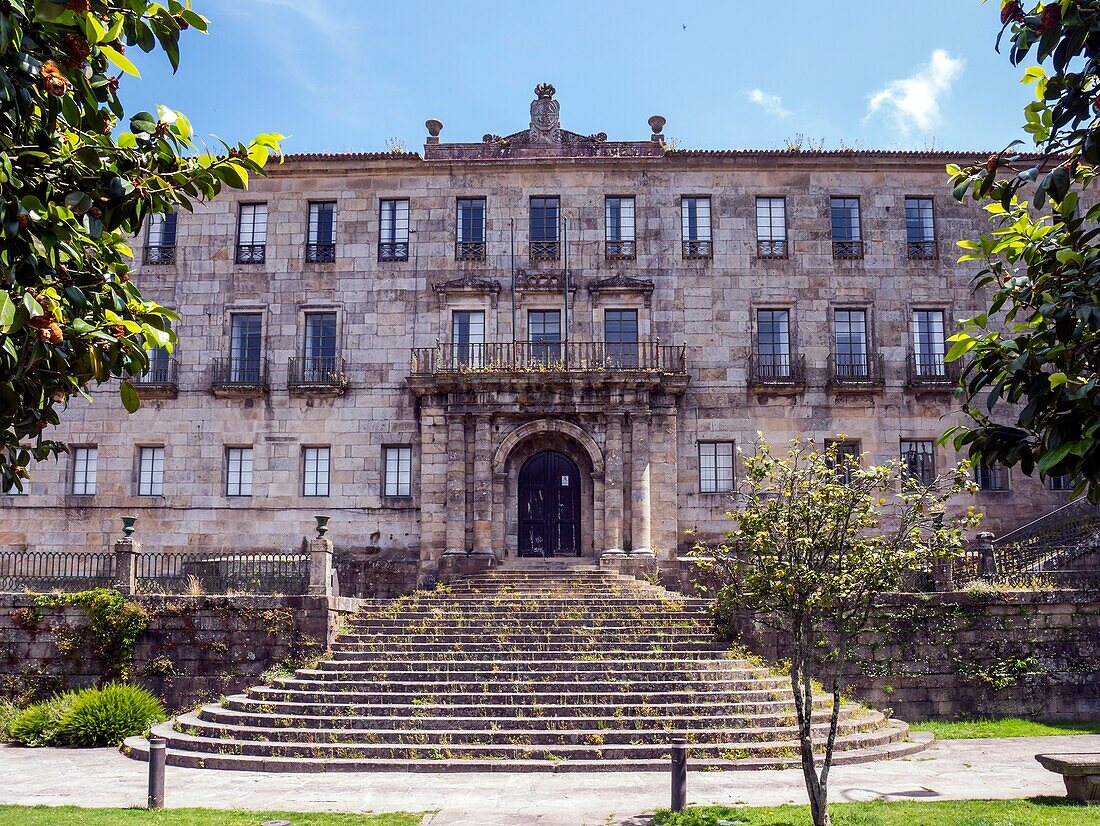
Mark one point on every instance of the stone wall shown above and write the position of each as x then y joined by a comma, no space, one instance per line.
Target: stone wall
939,656
195,647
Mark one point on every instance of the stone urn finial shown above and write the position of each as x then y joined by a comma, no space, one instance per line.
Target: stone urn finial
657,123
434,127
322,526
128,526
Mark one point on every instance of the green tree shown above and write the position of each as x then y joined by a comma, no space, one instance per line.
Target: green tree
73,191
1031,383
816,538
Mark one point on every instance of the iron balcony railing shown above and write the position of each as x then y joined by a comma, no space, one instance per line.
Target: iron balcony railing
251,253
160,254
470,250
856,369
219,573
237,372
777,369
776,248
162,374
316,371
698,249
545,250
320,253
393,251
56,570
921,250
930,369
847,249
619,250
571,356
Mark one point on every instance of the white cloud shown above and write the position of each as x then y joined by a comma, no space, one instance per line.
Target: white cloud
914,101
772,104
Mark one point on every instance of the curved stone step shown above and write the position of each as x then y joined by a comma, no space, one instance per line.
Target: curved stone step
550,682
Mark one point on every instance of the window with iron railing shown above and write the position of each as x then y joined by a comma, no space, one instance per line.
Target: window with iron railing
160,246
150,471
773,344
621,337
619,228
929,345
771,227
1061,482
468,338
851,346
319,361
920,228
238,471
85,469
321,241
470,229
245,346
845,224
843,456
397,470
715,467
695,227
544,335
991,477
251,233
393,229
919,460
315,470
545,217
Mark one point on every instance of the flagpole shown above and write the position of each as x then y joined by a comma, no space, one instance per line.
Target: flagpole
512,234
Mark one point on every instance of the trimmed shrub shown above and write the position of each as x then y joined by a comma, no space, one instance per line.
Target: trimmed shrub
38,724
108,715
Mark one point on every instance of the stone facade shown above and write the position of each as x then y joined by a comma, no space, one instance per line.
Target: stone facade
631,428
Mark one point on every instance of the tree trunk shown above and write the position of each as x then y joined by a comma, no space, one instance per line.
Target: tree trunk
804,710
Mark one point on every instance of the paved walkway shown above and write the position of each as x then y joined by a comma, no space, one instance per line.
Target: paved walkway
953,769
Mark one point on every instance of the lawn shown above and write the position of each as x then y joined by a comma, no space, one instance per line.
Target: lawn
1036,811
1005,727
73,816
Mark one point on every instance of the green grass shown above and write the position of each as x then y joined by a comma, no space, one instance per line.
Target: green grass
1036,811
1005,727
73,816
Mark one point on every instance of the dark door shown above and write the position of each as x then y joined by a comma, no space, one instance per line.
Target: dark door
549,506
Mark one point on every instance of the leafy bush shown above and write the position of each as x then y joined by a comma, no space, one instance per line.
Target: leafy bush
102,716
8,712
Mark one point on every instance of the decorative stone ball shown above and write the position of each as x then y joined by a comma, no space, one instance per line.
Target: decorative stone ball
656,123
434,127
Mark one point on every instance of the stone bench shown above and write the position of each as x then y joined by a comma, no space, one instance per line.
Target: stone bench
1080,771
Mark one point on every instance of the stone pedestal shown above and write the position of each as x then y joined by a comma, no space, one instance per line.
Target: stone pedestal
126,552
321,571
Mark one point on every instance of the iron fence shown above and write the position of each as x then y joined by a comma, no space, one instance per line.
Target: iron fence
697,249
160,254
162,373
239,372
619,250
921,250
320,253
250,253
56,570
771,248
931,369
470,250
218,573
777,369
545,250
847,249
521,356
393,251
316,372
856,369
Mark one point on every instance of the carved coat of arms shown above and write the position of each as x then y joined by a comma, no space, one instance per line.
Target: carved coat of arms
545,116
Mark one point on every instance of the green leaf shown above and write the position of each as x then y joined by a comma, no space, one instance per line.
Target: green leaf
961,347
120,60
143,122
1058,379
33,308
7,312
130,399
126,140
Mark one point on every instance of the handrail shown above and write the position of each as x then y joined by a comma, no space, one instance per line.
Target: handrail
549,356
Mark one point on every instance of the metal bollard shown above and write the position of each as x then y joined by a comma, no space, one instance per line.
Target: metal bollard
679,774
156,772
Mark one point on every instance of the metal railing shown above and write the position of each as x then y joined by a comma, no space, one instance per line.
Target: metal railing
921,250
316,371
698,249
162,374
619,250
777,369
771,249
930,369
232,372
545,250
56,570
220,573
393,251
160,254
321,253
470,250
251,253
856,369
572,356
847,249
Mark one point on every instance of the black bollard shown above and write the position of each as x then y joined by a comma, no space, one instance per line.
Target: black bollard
156,772
679,774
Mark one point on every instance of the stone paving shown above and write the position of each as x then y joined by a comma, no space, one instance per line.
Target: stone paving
956,769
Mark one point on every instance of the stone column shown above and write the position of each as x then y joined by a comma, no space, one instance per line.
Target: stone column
664,473
320,567
614,505
483,488
433,488
639,496
126,552
456,485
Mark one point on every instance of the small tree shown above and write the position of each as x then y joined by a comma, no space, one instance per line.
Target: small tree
816,538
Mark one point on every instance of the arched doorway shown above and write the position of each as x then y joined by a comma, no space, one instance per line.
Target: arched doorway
549,506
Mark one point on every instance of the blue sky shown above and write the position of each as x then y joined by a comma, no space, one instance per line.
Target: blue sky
349,75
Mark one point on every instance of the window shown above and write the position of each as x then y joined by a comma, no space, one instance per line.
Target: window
715,467
920,228
315,462
620,332
771,227
773,344
928,343
470,232
245,365
251,233
319,362
619,227
321,243
393,230
846,458
160,368
397,465
238,471
161,245
1061,482
919,460
545,218
150,471
695,227
85,460
468,338
847,240
850,337
991,477
544,334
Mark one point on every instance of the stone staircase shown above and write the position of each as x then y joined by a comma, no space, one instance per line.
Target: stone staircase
541,668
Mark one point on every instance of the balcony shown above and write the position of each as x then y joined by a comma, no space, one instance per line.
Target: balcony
316,376
545,250
921,250
929,372
160,382
848,250
469,250
239,378
777,371
393,251
698,249
856,372
251,253
320,253
771,248
619,250
157,254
